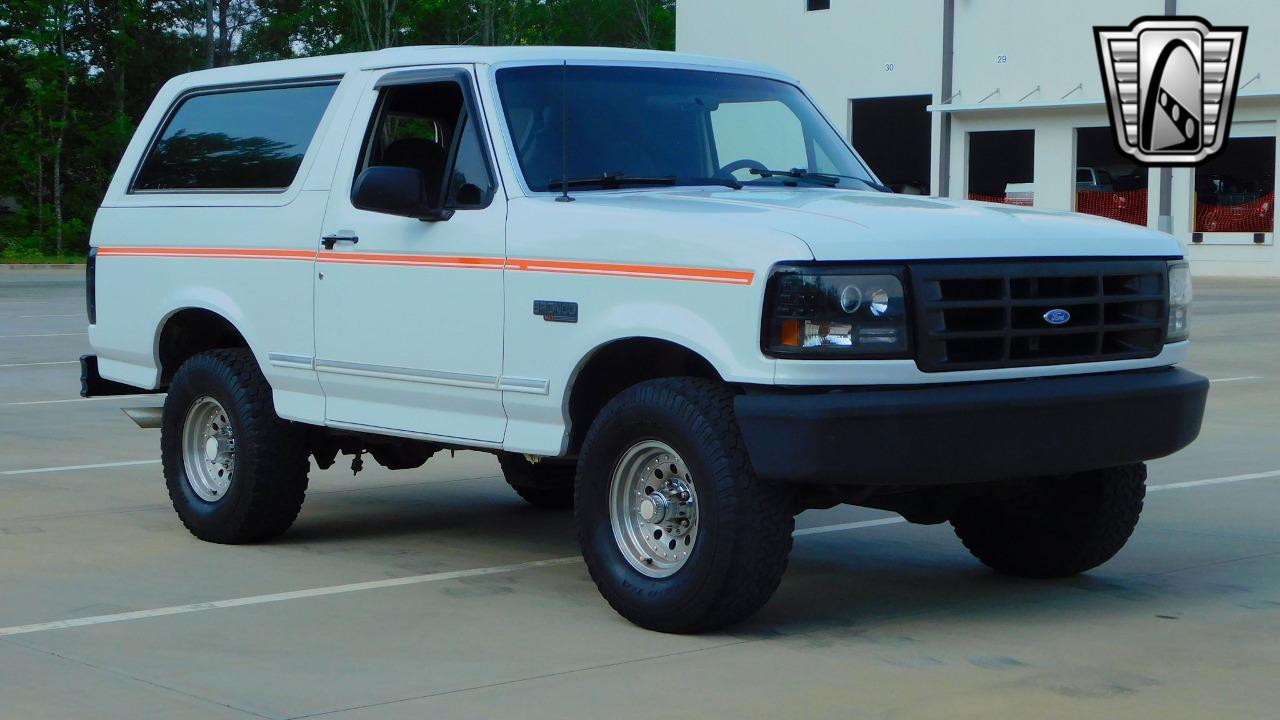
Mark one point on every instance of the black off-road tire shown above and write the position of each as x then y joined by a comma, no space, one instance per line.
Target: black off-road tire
546,484
270,462
744,523
1065,527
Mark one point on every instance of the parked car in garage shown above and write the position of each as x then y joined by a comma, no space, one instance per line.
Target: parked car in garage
1094,179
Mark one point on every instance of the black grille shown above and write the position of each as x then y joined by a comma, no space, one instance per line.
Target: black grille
973,316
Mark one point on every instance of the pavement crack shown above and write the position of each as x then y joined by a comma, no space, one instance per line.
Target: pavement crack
530,678
1215,563
134,678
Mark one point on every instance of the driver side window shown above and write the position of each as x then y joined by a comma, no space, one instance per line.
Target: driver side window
767,132
426,127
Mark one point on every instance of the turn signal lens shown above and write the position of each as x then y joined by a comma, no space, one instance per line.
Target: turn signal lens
1179,302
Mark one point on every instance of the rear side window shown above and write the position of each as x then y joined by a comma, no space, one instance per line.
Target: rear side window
236,140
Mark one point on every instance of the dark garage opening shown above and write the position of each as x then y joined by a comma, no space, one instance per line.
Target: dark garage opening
1108,183
1236,189
894,134
1002,166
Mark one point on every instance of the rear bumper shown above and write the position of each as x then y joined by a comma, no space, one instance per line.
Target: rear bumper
938,434
92,384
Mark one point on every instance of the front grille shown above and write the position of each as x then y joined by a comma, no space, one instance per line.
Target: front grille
974,316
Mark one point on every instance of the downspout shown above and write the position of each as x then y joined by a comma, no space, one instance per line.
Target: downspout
944,120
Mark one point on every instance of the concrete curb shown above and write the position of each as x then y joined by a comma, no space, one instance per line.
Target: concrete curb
41,266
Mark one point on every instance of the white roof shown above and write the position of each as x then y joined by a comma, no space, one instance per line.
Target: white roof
450,54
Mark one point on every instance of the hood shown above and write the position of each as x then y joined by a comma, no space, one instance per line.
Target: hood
857,225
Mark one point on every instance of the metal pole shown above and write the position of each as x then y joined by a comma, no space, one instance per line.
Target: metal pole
944,134
1164,223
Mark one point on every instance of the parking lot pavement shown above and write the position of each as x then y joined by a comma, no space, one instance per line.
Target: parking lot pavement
436,593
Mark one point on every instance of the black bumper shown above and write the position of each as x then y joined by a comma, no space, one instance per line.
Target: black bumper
930,435
93,384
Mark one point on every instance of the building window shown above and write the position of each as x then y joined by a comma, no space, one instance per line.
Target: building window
1108,183
1002,166
894,136
1235,191
811,5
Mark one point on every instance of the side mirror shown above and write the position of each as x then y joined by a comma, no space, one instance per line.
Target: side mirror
395,191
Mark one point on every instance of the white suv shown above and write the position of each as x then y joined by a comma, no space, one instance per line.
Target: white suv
662,288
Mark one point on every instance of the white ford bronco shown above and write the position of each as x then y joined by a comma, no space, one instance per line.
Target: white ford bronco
661,288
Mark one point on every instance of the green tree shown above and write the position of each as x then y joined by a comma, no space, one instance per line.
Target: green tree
77,75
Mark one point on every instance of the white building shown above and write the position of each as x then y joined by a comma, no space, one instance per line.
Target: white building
1003,100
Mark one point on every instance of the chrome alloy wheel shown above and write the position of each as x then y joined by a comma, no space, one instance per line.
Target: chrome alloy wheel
653,509
208,449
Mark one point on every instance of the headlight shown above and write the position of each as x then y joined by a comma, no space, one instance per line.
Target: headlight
1179,302
836,312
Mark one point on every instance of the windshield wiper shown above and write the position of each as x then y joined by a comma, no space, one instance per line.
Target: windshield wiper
828,179
610,181
725,182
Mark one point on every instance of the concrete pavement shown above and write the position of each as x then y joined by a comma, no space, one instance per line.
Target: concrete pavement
872,620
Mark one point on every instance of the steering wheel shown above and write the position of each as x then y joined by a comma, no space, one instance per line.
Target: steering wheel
743,164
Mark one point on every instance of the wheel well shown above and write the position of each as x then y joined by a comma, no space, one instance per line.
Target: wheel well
621,364
190,332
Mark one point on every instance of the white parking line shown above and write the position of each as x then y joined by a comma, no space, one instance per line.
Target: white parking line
72,400
1214,481
281,597
68,468
457,574
848,526
12,337
1235,379
34,364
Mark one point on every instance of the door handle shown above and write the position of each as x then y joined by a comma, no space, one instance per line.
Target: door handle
328,241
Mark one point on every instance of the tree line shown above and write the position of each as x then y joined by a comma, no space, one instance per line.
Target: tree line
77,75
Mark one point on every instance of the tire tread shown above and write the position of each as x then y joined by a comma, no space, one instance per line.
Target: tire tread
271,454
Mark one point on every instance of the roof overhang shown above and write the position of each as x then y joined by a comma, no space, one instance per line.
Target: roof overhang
1055,104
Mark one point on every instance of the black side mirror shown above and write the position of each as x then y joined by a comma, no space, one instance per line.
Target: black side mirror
395,191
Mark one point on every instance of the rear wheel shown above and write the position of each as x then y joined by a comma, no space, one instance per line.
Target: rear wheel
547,483
236,472
1064,527
677,532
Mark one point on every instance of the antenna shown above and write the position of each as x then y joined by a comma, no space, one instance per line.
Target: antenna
564,133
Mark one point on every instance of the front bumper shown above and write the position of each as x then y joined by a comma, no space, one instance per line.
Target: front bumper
972,432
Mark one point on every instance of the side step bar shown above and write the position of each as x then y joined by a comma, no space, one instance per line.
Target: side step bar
147,418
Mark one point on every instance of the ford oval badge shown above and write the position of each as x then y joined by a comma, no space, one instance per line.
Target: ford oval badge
1057,316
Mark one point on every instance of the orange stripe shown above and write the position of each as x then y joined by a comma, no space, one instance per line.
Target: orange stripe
656,272
245,253
430,260
731,277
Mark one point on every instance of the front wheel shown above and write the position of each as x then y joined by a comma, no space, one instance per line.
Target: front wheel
677,532
1062,527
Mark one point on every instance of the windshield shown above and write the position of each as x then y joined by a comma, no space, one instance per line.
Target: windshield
662,126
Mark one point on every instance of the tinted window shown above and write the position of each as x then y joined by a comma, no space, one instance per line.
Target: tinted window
674,126
239,140
470,169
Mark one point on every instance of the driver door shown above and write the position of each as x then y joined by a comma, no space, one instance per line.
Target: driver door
409,313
